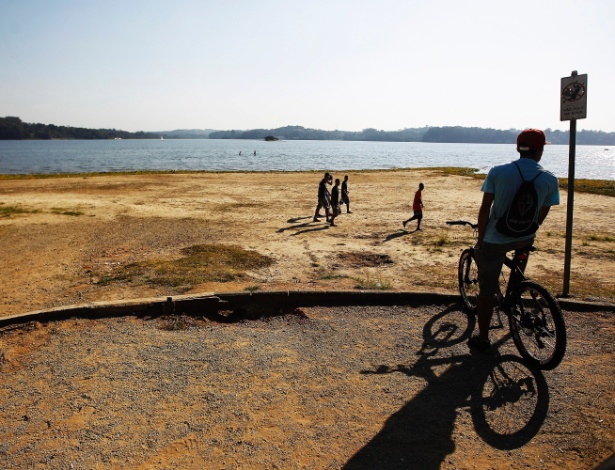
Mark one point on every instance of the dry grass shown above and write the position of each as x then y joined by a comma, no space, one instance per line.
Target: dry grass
8,211
603,187
199,264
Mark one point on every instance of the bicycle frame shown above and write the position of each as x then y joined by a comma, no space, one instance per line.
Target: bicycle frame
517,264
535,318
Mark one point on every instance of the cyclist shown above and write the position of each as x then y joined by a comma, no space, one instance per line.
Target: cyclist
499,189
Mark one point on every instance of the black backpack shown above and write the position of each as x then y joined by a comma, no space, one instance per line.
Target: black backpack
521,217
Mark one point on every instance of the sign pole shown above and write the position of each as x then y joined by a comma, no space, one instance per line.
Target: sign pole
573,101
570,208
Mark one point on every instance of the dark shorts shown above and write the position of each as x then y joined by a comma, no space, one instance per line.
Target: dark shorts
490,259
418,214
323,202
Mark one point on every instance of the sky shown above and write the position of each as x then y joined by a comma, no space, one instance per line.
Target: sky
158,65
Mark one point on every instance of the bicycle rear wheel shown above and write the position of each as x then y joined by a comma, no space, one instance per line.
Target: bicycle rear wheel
537,326
468,280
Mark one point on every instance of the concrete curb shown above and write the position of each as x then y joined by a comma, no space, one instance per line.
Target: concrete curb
212,303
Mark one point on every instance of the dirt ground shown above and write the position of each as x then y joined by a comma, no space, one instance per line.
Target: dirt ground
66,234
351,388
368,387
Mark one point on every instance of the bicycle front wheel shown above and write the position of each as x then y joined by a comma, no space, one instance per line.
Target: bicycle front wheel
537,326
468,280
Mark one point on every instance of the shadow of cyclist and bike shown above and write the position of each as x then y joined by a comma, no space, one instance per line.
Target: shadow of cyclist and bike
507,401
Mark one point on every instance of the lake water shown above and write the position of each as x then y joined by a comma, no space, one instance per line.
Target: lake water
76,156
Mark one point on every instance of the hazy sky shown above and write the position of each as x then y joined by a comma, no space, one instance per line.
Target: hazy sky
331,64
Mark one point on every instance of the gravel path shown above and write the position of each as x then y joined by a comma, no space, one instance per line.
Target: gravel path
348,387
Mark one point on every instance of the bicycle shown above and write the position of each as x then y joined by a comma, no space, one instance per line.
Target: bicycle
535,319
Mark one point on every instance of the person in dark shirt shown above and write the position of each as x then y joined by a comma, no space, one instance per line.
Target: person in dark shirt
335,201
345,194
324,198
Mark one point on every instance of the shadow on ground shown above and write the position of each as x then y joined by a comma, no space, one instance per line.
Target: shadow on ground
508,402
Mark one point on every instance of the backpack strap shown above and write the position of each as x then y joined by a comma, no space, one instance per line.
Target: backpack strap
521,174
522,181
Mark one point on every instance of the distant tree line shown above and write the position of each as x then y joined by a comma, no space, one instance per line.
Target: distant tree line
454,134
301,133
13,128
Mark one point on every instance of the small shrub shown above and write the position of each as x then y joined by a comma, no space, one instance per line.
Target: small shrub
370,283
443,240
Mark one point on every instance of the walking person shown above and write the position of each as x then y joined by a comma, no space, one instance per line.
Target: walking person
345,194
335,201
417,207
500,189
324,198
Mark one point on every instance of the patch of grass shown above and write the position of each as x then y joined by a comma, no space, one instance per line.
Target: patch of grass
110,279
443,240
199,264
451,170
61,211
601,238
373,283
8,211
359,259
603,187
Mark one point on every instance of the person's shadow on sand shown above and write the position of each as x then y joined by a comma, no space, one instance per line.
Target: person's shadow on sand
400,233
294,220
496,390
292,227
315,229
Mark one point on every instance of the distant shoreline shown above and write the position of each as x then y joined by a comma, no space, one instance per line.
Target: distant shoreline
13,128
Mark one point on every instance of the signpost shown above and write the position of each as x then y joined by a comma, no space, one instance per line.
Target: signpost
573,100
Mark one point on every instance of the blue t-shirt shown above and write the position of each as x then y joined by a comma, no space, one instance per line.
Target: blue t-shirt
504,180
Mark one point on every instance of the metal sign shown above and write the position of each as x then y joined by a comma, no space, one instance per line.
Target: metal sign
573,97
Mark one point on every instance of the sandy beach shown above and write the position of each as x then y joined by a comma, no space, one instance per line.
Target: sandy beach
65,239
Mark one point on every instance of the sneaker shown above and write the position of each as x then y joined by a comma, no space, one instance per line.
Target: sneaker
479,345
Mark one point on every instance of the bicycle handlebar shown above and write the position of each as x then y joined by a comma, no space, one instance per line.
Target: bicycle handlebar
529,248
462,222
